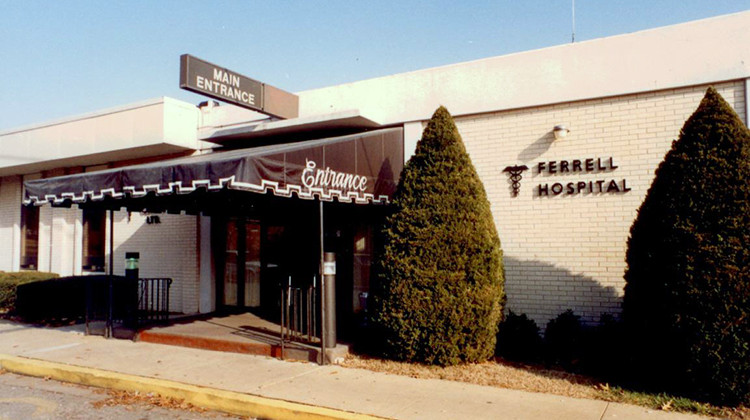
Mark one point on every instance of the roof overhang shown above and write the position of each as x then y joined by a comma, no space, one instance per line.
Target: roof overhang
344,121
144,129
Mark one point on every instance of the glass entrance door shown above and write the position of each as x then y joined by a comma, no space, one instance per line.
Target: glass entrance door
242,264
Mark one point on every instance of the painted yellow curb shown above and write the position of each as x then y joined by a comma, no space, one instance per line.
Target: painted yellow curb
210,398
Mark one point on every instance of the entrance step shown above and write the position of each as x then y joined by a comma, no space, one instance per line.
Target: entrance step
292,351
239,333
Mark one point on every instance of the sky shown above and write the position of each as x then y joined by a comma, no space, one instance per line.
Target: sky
65,58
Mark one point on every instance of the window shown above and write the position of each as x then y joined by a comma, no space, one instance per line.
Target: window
29,237
94,231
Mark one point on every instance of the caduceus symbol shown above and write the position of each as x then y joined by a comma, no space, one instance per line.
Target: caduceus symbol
515,173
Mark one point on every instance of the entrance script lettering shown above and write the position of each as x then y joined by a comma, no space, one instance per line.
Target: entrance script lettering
314,177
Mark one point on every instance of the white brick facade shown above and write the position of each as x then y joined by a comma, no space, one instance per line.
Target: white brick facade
568,251
10,222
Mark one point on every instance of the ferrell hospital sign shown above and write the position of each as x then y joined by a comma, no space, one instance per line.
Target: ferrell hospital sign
571,166
589,165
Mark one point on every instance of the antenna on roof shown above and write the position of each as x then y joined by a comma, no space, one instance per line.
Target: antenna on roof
573,8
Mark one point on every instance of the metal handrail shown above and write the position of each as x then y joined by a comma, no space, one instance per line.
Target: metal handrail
153,300
117,300
298,315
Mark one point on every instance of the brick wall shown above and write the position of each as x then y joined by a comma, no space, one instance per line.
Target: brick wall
568,251
167,249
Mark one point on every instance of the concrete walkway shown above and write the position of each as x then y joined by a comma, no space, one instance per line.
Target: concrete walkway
265,387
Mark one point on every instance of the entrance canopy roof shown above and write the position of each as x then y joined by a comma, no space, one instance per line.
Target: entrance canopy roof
361,168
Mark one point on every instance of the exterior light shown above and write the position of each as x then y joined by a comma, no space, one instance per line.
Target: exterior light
560,132
131,260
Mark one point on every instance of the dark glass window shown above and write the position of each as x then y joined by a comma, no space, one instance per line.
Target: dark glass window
94,232
30,237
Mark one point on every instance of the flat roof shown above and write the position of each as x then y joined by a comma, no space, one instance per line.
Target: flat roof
687,54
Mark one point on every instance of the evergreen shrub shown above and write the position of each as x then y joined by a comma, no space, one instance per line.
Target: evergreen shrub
564,340
687,293
519,339
53,300
438,293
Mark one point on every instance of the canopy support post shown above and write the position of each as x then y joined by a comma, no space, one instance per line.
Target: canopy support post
323,308
110,280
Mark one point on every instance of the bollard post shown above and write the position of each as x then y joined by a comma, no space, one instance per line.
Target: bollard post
130,311
329,274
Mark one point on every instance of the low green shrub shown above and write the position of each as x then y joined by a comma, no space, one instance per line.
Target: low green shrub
564,340
605,349
9,282
519,339
56,300
52,300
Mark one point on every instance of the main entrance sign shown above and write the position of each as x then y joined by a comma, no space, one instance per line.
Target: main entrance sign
217,82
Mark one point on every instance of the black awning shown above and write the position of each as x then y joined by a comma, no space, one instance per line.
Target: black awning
361,168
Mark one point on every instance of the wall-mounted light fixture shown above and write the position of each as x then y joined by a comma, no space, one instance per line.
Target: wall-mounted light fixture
560,131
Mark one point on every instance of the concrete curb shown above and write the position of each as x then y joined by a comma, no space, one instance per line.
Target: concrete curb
210,398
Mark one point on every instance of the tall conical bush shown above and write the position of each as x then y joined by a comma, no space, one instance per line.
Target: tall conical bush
687,293
439,288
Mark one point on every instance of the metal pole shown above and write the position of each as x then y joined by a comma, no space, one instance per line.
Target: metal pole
283,306
329,274
309,313
111,242
322,288
108,330
88,304
573,37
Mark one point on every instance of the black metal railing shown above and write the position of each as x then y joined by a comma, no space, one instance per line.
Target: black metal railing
153,300
298,315
120,302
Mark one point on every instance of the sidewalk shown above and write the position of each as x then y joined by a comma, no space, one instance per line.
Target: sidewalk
271,388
